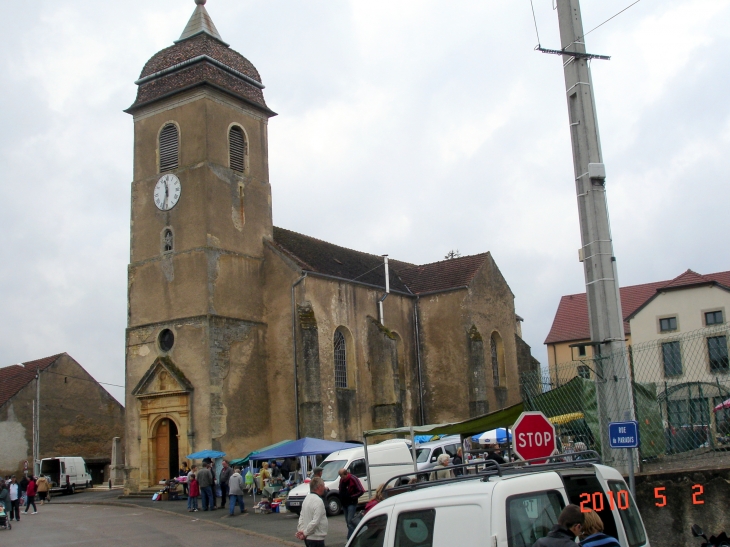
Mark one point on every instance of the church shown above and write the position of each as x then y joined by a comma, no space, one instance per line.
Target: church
241,334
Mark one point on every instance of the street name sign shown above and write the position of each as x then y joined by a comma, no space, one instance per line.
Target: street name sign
623,434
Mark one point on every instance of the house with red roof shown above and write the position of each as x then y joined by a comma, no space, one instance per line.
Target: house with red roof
678,334
53,407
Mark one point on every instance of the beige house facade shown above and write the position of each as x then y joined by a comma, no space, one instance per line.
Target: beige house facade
241,334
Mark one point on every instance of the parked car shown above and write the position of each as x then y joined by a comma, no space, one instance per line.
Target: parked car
505,506
386,459
66,473
427,453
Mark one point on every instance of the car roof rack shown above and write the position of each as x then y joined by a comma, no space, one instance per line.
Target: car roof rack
490,468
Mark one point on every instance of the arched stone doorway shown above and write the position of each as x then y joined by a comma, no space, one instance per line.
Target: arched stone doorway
166,450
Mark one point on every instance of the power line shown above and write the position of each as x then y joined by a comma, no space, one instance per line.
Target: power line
607,20
82,379
535,21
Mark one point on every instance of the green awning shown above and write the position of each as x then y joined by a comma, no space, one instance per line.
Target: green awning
243,461
500,418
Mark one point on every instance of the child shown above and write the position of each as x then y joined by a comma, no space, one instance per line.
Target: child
193,493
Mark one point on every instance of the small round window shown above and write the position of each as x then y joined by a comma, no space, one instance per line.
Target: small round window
166,340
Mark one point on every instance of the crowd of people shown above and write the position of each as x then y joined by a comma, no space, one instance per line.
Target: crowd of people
201,486
15,494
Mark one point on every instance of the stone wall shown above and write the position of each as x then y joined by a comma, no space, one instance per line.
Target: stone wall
670,503
78,417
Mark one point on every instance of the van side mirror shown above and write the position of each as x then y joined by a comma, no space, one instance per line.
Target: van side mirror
697,531
433,459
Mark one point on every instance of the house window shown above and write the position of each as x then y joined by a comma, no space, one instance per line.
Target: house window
169,144
717,352
584,372
495,362
340,360
237,149
672,359
581,351
668,324
713,318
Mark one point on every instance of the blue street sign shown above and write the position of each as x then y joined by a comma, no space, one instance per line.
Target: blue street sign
623,434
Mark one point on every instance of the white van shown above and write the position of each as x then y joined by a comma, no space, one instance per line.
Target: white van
427,453
386,460
66,473
507,506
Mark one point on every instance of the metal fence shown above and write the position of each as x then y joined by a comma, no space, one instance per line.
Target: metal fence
678,384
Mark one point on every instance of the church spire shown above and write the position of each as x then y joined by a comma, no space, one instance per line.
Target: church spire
200,23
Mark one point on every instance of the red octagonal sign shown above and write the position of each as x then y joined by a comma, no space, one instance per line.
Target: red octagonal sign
534,436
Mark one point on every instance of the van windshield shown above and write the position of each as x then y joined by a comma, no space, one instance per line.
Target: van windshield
330,469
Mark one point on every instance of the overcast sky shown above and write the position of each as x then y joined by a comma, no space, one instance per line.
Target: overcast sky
405,127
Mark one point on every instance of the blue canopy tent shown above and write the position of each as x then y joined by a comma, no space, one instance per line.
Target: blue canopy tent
212,454
243,461
306,446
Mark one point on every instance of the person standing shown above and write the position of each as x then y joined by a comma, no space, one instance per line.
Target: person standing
14,490
4,496
313,525
205,482
440,471
563,534
458,460
494,455
350,492
183,472
23,484
223,479
30,495
193,490
43,489
235,492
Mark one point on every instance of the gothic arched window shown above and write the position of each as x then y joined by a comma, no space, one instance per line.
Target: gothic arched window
340,360
169,147
237,149
167,241
495,361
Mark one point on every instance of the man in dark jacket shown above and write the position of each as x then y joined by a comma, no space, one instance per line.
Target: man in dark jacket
563,534
205,482
223,478
350,491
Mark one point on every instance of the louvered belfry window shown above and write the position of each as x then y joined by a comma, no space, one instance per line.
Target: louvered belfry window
169,145
237,142
340,360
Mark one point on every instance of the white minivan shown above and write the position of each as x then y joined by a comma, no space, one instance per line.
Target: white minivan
66,473
508,506
386,459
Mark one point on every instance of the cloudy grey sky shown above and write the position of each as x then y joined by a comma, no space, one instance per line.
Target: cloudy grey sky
408,127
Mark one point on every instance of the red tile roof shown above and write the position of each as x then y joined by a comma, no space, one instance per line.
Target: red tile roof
571,319
443,275
16,377
315,255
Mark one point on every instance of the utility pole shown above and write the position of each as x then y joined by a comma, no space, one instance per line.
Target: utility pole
614,394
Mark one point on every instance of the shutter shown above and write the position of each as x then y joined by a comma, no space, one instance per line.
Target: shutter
237,144
168,148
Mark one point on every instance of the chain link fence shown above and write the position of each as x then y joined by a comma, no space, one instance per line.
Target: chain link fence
679,386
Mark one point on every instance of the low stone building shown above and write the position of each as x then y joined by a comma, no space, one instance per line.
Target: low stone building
75,415
240,333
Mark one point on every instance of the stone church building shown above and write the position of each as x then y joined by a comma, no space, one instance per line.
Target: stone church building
241,334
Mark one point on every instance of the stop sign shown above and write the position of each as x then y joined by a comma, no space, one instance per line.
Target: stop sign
533,436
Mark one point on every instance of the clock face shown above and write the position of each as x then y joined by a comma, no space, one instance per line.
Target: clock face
167,192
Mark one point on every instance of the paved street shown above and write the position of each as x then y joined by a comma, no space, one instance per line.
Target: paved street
100,518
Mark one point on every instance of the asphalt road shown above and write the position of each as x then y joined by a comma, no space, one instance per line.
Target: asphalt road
70,524
99,517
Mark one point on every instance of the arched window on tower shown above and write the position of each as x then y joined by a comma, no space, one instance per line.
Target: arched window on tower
340,360
167,241
237,149
169,147
495,361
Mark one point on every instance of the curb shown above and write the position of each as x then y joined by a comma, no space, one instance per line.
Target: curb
221,524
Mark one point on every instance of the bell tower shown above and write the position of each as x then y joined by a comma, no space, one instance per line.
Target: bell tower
201,212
